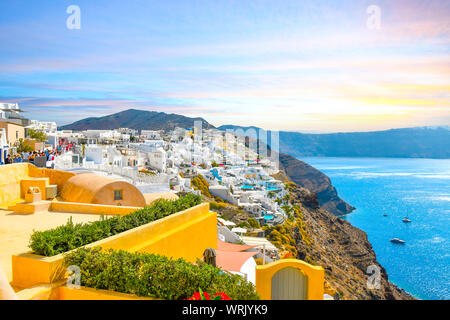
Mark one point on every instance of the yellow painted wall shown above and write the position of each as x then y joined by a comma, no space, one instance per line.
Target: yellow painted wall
314,274
57,177
10,177
60,291
84,293
185,234
40,183
29,270
72,207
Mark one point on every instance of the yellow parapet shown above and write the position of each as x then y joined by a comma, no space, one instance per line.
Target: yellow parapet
60,291
314,278
83,293
12,187
40,183
185,234
73,207
10,177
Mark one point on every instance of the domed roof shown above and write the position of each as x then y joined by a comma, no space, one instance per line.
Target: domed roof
95,189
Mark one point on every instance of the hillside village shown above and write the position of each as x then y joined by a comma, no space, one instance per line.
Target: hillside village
259,210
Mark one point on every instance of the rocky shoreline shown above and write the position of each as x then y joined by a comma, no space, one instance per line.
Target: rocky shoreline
343,250
316,181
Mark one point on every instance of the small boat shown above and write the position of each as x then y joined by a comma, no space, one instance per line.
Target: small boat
405,219
397,240
385,215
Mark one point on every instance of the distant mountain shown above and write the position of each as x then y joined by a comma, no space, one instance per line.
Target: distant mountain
419,142
138,120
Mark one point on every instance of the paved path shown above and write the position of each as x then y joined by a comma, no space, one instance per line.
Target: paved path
15,231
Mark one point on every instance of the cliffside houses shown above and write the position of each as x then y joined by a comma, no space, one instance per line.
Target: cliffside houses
156,163
234,172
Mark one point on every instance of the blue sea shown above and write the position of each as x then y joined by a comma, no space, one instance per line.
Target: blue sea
415,188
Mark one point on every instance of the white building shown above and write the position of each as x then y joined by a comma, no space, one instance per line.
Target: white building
151,134
46,127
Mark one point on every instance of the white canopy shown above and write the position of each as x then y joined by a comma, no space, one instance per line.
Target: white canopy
226,222
239,230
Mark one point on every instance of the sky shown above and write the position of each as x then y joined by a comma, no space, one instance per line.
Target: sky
310,66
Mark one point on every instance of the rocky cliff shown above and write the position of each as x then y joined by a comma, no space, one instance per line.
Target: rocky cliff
314,180
321,238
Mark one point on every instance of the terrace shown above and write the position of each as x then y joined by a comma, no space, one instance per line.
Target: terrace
155,236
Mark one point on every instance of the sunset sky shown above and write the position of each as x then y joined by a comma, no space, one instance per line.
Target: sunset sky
312,66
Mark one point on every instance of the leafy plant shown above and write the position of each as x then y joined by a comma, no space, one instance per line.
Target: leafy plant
23,147
71,236
151,275
37,135
199,183
253,223
217,205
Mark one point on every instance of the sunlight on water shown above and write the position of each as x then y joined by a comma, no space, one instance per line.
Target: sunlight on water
415,188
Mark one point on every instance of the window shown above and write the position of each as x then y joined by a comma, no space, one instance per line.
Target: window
118,195
17,134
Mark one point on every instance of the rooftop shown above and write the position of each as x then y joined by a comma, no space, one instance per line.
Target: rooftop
16,230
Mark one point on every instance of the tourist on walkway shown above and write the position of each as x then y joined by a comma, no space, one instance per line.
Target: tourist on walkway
8,159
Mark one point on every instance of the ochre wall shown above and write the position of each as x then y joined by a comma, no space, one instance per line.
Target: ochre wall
40,183
60,291
57,177
84,293
185,234
314,274
72,207
11,176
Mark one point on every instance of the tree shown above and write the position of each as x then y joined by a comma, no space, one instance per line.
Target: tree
23,147
253,223
37,135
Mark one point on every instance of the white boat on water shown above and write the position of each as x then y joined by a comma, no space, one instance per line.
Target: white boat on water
397,240
406,220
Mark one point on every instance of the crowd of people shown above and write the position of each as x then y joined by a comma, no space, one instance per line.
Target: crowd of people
49,154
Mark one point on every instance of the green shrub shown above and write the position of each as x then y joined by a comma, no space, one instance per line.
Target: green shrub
253,223
243,225
199,183
217,205
150,275
71,236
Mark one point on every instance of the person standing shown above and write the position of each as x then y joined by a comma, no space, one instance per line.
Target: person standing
8,159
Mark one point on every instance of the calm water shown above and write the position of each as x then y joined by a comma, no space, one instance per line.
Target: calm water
416,188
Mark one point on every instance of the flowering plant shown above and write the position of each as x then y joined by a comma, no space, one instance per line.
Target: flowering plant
205,296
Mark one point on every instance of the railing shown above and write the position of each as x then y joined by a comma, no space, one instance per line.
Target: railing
129,172
66,163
